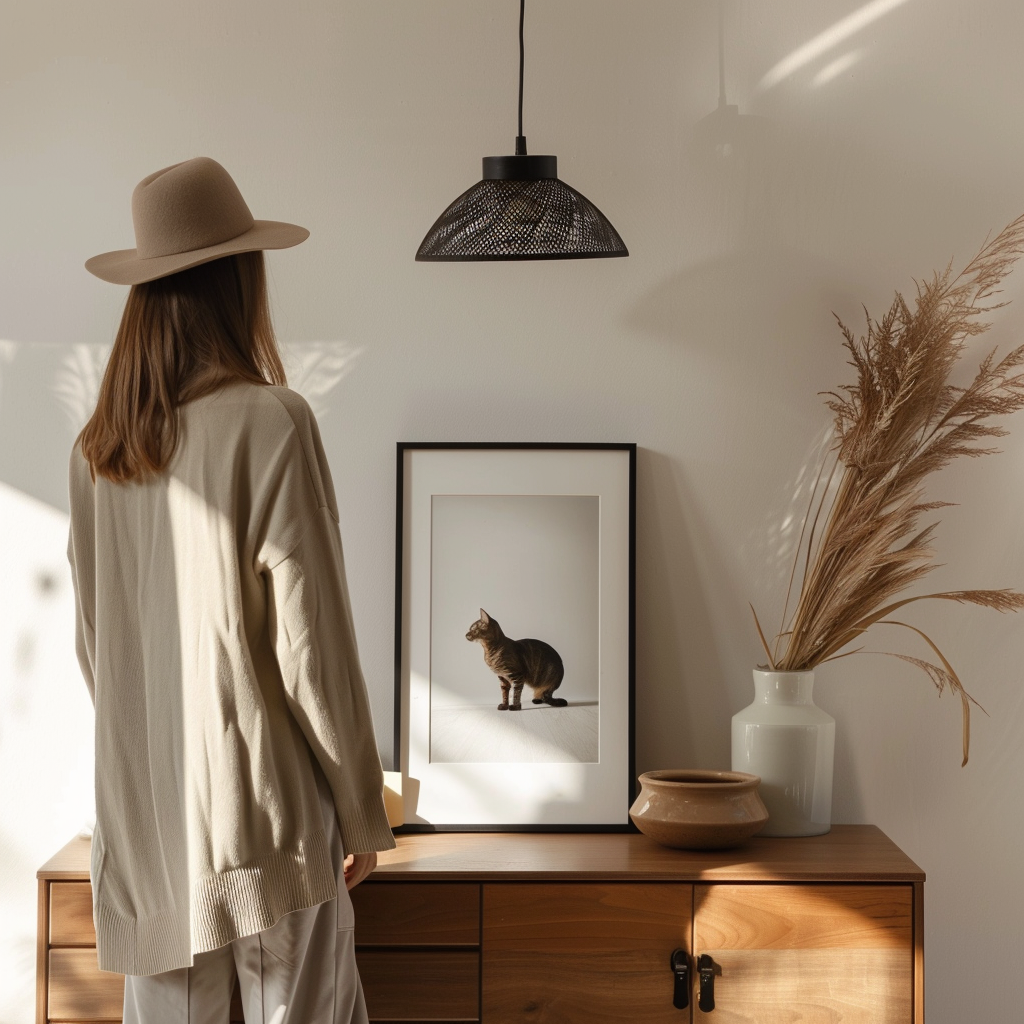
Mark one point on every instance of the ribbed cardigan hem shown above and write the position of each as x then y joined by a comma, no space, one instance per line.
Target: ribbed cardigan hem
149,945
366,828
224,907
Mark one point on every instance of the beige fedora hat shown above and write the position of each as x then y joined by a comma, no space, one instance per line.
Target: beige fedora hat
187,214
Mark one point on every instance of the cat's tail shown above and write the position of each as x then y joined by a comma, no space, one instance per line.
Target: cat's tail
558,702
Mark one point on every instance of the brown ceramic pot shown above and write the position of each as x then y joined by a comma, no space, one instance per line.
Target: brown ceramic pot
698,810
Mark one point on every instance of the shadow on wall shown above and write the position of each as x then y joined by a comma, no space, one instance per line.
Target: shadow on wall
48,391
754,314
765,308
316,368
681,685
766,196
771,547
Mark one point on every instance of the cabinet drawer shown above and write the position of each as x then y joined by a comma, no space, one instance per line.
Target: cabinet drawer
819,952
71,914
388,913
406,986
78,990
803,917
420,985
417,914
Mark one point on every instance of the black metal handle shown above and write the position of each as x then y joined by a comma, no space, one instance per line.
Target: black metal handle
681,969
706,970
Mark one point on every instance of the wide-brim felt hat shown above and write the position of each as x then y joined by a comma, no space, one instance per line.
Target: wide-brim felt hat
187,214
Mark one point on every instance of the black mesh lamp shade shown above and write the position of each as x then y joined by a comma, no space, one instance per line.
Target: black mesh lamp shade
520,211
521,217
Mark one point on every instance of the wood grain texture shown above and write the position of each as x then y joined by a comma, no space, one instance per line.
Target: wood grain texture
569,939
811,986
849,853
919,953
79,991
71,921
42,948
70,862
802,917
417,913
420,985
816,954
582,952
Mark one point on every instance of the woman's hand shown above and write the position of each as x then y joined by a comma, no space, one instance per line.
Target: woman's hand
357,867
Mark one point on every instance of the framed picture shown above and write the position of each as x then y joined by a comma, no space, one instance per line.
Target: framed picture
514,638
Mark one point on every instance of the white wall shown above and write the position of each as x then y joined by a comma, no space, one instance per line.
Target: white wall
891,142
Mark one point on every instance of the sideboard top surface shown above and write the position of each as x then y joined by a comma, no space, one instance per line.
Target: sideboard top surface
849,853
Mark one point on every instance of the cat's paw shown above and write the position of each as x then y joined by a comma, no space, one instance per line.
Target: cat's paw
515,707
537,700
503,707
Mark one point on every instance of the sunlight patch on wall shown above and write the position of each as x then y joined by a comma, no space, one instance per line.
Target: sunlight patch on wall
315,368
76,385
827,40
836,68
45,710
46,723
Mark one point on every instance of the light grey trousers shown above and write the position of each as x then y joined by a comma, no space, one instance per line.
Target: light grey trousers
302,970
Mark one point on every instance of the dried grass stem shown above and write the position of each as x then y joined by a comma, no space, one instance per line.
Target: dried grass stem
901,421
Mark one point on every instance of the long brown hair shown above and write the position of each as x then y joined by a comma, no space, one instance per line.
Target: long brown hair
181,337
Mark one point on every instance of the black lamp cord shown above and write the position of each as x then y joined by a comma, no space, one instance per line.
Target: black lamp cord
520,138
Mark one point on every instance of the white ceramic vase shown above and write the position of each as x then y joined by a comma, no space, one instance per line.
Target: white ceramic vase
785,738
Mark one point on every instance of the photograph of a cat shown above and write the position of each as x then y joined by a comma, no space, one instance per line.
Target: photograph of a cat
519,663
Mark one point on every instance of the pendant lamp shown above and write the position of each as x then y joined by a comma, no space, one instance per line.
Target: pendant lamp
521,210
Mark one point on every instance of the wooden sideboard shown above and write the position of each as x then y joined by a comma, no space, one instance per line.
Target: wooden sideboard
565,928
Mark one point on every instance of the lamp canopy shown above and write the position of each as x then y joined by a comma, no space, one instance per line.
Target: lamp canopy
520,210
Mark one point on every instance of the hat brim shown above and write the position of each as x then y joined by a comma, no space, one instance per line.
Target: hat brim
125,266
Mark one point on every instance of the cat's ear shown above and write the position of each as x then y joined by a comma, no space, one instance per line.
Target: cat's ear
484,617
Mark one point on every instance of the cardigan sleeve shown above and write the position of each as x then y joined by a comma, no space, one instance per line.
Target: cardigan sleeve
309,615
85,630
81,557
314,640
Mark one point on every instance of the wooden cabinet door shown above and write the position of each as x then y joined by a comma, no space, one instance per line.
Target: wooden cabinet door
599,952
817,954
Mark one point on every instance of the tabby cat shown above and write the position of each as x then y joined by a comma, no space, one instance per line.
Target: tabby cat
518,662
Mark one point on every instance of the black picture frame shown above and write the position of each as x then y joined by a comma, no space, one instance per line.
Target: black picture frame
405,450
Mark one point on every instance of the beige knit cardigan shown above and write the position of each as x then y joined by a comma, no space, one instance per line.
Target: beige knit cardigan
215,635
